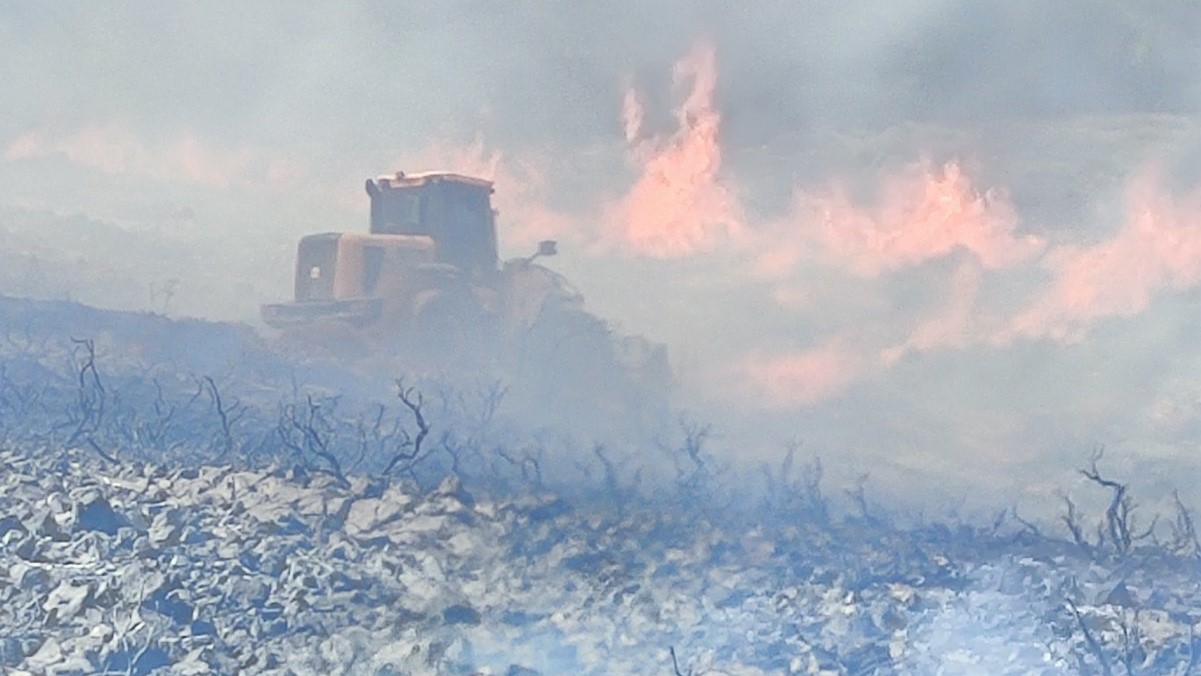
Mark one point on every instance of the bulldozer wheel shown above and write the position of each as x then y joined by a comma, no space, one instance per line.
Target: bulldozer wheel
452,326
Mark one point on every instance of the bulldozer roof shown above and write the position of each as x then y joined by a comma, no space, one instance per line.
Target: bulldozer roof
401,179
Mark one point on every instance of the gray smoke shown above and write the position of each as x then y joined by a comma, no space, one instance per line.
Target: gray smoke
196,142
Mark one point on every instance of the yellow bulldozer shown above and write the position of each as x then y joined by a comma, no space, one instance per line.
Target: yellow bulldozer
426,281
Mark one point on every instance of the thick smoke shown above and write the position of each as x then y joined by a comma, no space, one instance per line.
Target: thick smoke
929,238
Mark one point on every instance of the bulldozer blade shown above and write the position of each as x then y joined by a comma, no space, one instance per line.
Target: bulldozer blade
357,311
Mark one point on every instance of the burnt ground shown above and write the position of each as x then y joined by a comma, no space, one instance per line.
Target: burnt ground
178,497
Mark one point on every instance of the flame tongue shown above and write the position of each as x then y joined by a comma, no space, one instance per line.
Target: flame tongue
679,205
1159,247
922,216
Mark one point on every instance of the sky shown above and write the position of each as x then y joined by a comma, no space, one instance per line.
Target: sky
953,245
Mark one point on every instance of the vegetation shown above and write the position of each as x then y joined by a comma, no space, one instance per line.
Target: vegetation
1112,592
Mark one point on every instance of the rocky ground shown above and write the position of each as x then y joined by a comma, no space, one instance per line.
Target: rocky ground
153,520
137,568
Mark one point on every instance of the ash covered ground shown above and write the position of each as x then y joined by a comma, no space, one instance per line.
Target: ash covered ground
953,248
166,510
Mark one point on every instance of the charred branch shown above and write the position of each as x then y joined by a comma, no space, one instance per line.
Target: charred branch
409,451
306,431
228,415
527,463
1184,530
675,664
91,398
1090,640
1071,520
1119,526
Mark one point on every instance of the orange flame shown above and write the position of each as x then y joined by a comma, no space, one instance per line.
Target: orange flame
1159,247
804,378
521,188
116,150
922,215
679,205
954,326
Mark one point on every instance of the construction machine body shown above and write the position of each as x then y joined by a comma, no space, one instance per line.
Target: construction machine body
429,233
453,210
426,283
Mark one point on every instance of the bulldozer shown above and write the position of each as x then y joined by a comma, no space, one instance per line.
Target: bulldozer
426,282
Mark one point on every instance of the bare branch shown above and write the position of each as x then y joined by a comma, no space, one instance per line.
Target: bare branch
1072,520
675,663
1093,646
227,415
1119,516
1132,638
530,466
1028,527
611,482
90,401
307,434
1184,531
413,400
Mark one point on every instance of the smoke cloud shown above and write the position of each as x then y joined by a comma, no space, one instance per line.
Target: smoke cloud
804,378
934,239
186,158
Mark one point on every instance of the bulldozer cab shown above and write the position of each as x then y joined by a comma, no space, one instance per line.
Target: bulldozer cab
454,211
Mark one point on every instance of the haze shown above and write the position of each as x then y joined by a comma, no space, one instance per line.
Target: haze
955,245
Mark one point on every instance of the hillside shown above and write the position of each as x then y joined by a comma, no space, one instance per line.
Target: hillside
153,520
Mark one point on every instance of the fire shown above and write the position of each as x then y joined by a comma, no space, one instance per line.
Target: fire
472,159
921,215
204,164
521,188
679,204
1158,247
29,144
114,149
954,326
802,378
